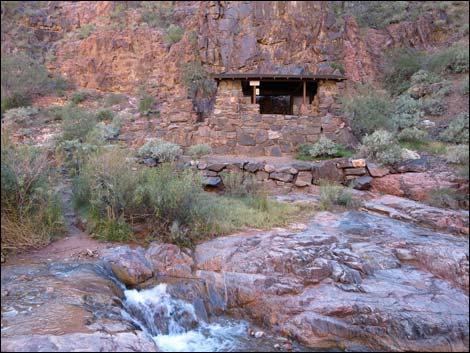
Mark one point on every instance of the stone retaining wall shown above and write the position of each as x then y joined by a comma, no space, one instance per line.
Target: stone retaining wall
299,174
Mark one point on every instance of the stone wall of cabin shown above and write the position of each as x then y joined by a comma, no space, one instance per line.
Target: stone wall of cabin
237,127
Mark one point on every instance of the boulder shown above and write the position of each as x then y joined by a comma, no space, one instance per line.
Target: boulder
269,168
302,166
216,167
254,166
327,170
304,178
355,171
282,176
128,265
377,171
409,154
169,260
415,186
211,181
362,183
411,166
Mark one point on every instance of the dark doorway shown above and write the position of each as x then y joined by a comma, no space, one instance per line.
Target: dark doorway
274,104
279,97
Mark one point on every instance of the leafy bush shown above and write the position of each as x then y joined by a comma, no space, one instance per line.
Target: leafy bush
31,214
73,154
161,150
444,198
21,78
324,147
240,184
157,14
195,77
104,115
102,133
114,194
464,86
380,146
114,98
174,34
76,122
336,66
458,154
85,30
407,113
401,65
21,115
146,103
336,195
434,106
423,77
368,111
14,101
457,131
451,60
411,134
79,97
199,150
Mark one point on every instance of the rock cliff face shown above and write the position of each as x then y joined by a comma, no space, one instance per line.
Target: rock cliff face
258,36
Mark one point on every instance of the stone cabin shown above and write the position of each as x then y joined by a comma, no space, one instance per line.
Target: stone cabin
269,114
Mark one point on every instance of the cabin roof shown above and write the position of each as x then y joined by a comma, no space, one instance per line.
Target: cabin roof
276,77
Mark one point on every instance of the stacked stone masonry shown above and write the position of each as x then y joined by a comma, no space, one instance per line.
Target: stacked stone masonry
237,127
300,174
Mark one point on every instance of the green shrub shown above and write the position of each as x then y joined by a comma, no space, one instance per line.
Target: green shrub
14,101
161,150
174,34
336,195
114,194
324,147
31,210
380,146
21,115
104,115
457,154
464,86
114,99
451,60
407,113
199,150
197,80
401,65
157,14
457,131
412,134
240,184
368,111
73,154
102,133
336,66
444,198
79,97
85,30
21,78
434,107
146,103
423,77
76,122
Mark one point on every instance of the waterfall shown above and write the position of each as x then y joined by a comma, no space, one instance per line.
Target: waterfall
174,326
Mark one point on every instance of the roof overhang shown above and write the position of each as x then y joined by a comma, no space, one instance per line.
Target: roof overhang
277,77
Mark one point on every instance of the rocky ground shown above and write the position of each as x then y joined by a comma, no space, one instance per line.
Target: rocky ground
353,279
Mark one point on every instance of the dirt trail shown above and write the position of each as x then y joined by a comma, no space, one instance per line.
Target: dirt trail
76,244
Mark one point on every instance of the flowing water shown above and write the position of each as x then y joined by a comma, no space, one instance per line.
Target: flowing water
175,327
